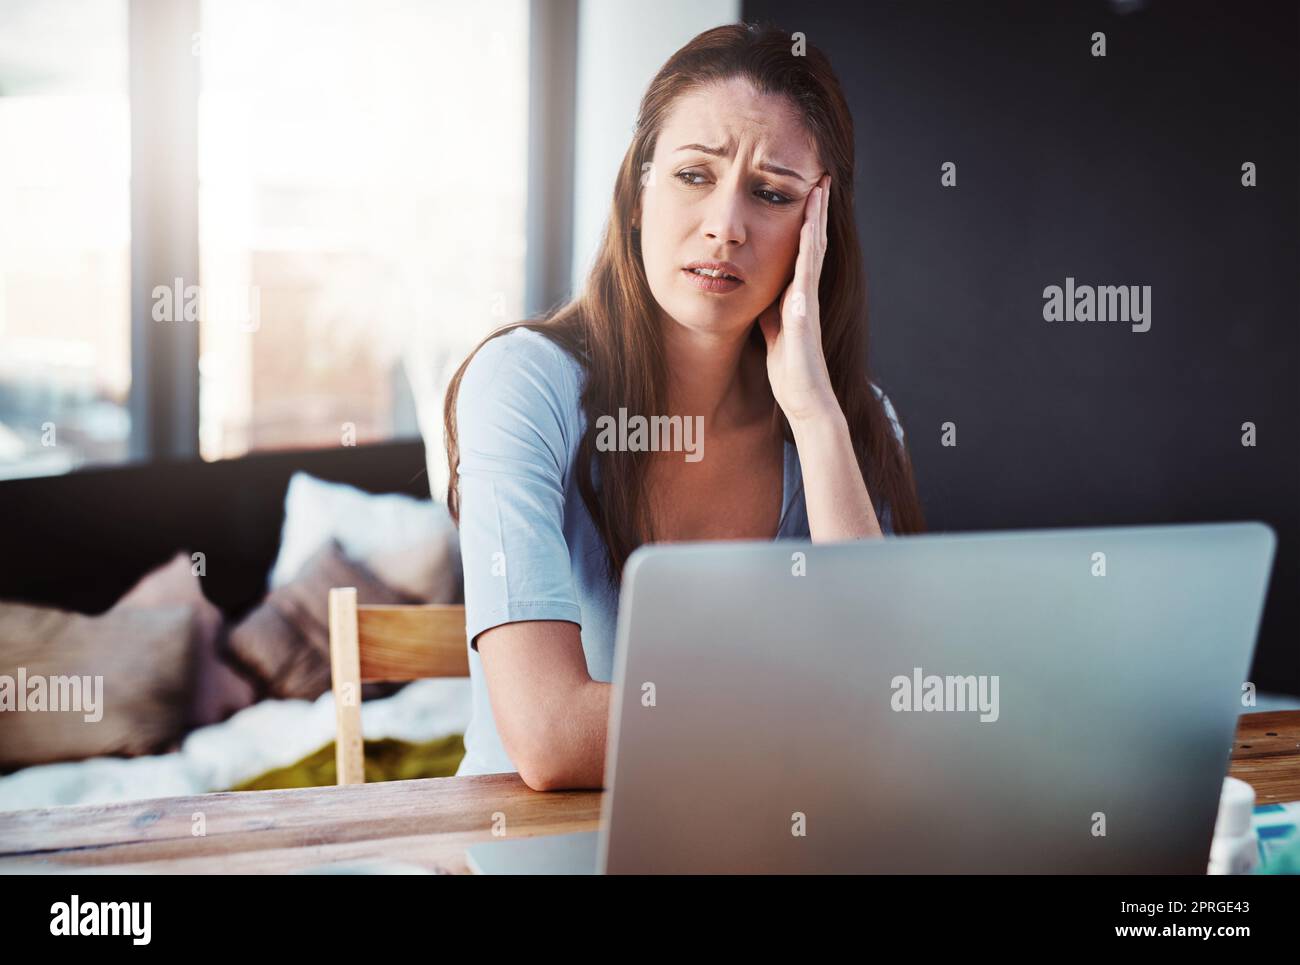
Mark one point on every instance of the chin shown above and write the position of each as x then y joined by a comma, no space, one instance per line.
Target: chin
709,313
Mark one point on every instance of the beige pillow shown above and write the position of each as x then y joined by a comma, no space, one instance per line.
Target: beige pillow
284,643
219,690
134,671
425,572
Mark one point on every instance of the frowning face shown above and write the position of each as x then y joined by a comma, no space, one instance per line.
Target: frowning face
731,174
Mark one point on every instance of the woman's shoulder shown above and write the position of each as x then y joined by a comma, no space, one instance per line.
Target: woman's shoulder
527,354
523,376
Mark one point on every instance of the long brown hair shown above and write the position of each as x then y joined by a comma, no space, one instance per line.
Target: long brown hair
611,326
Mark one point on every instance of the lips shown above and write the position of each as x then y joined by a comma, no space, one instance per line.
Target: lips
707,283
715,269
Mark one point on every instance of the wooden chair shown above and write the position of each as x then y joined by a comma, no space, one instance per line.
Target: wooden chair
375,642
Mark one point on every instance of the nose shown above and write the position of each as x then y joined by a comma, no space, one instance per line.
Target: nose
724,216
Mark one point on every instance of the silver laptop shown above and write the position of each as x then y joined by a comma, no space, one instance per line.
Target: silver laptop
1050,701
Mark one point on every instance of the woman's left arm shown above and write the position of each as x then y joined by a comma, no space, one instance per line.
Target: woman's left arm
839,507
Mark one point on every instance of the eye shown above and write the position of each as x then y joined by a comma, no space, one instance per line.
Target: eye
766,194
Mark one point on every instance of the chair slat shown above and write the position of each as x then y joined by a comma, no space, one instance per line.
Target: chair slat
412,642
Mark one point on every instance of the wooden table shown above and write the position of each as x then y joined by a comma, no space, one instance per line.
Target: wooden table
427,823
1266,755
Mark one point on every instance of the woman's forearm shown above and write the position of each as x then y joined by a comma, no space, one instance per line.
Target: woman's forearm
839,507
577,734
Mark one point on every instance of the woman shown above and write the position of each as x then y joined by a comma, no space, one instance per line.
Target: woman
728,291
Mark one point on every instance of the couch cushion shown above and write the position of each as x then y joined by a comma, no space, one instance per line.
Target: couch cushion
219,690
410,544
284,643
135,669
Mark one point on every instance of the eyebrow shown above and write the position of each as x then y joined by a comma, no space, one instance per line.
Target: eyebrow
721,152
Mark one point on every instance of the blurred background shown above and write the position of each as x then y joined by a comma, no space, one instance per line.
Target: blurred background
339,198
330,174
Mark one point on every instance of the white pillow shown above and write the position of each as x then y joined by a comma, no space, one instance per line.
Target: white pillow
411,544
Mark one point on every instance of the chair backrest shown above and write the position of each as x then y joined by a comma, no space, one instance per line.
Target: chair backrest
374,642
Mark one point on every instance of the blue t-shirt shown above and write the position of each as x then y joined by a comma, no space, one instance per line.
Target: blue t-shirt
528,545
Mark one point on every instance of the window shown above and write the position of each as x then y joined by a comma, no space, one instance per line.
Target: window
65,235
362,179
362,176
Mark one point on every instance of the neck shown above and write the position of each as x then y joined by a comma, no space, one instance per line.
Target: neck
707,374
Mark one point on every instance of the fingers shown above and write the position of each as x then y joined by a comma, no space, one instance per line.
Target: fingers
826,208
812,211
812,236
800,300
803,289
818,214
819,233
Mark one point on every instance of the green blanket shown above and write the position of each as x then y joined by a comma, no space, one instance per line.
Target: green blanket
386,760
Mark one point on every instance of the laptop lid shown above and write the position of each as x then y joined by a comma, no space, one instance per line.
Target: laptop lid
1049,701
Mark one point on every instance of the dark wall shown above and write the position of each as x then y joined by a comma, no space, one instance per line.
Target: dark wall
80,541
1122,170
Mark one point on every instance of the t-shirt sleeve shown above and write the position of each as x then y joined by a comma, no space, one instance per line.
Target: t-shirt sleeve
514,437
889,411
